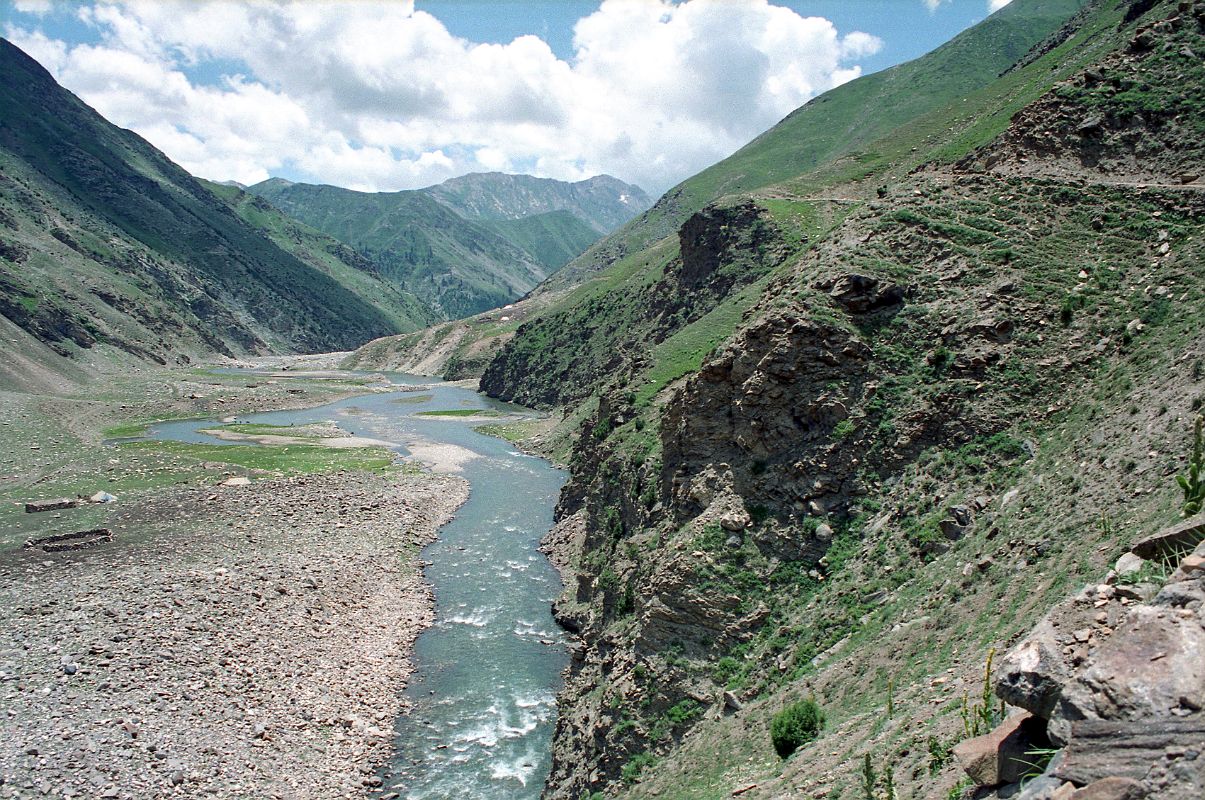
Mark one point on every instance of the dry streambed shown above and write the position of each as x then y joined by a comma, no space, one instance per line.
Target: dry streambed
243,641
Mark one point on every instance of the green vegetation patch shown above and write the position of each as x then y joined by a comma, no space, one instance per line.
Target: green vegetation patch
286,459
459,412
795,726
413,399
260,429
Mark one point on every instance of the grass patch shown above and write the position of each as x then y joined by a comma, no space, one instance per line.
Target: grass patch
288,459
459,412
414,398
259,429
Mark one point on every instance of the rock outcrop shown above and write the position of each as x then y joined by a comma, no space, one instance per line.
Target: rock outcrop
1116,676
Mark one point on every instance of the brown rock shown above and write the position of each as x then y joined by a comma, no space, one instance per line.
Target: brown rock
1173,541
1153,667
1000,756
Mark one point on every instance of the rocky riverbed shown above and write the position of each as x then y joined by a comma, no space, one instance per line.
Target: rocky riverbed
243,641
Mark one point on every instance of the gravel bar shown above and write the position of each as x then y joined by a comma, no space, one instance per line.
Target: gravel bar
249,641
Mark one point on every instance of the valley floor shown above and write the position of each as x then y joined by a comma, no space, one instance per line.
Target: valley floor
231,641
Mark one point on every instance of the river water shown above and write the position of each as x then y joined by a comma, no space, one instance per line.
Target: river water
487,672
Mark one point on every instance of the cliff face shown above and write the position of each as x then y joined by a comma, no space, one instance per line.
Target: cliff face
938,412
564,356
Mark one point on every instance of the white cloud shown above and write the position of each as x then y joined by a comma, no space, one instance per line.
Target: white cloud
37,7
382,96
995,5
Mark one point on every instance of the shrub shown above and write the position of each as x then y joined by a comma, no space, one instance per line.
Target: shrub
638,764
842,429
795,726
1193,483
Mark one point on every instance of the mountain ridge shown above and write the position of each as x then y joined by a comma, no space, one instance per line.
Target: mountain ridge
107,242
450,244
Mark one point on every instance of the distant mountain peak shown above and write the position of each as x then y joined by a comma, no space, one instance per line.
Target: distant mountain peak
602,202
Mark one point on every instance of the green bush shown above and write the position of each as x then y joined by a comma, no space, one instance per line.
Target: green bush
639,763
795,726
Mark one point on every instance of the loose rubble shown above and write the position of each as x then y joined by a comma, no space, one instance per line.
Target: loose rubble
247,641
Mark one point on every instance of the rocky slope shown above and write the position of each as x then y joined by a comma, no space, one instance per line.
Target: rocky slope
927,404
104,242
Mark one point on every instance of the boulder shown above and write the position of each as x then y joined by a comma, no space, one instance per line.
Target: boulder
1001,756
1129,564
735,521
1031,675
1152,668
860,294
1174,541
1035,672
1045,787
1111,789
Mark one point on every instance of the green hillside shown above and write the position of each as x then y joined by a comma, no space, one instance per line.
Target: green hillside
553,238
602,202
845,121
456,266
106,241
327,255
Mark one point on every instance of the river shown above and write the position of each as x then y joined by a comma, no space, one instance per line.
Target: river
487,672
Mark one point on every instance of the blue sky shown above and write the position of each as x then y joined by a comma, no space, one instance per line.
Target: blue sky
392,95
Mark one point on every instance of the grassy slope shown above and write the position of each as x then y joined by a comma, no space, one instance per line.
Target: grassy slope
327,255
75,157
553,239
845,120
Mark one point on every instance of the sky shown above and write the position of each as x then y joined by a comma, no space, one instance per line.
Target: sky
400,94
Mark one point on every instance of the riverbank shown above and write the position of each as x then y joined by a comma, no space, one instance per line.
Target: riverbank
230,641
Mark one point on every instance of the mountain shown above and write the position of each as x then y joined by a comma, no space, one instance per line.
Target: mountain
456,266
472,243
104,241
327,255
602,202
847,414
552,238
